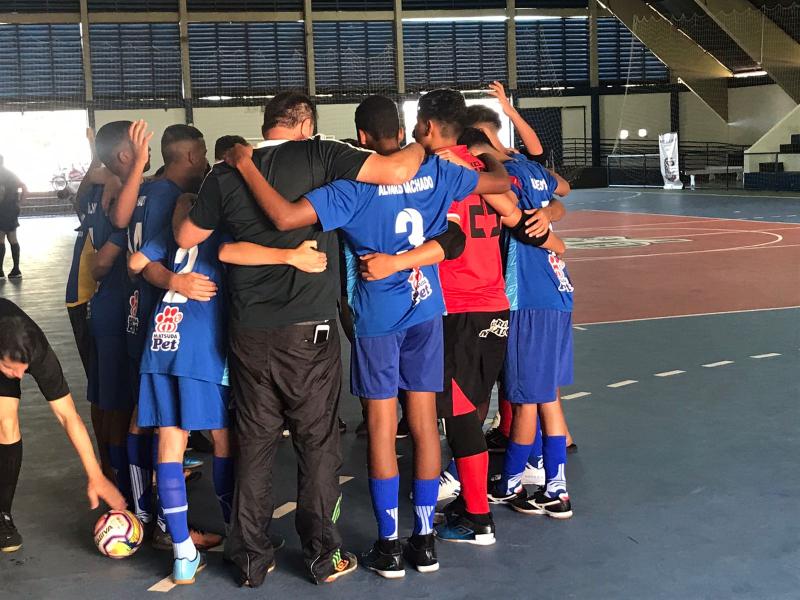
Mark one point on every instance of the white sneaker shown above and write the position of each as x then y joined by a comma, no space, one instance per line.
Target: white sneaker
531,476
449,486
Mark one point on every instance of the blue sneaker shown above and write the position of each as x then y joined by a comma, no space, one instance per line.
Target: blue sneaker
191,463
184,570
460,528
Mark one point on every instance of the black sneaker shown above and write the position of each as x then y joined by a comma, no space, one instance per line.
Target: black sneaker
420,551
572,448
402,429
498,495
558,508
386,559
496,442
15,274
10,539
465,528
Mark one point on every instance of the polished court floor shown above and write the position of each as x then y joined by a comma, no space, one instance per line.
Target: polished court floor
685,408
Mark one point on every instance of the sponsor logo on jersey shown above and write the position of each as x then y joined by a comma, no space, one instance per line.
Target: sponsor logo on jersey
558,267
166,337
421,184
420,286
616,241
140,200
498,327
133,310
540,185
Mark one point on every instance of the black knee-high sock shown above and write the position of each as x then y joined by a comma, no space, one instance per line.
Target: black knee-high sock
10,464
15,255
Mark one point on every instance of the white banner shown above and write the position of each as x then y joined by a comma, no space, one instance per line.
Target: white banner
668,150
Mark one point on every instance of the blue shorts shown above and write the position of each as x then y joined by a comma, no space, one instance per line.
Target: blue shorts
190,404
539,355
109,385
412,360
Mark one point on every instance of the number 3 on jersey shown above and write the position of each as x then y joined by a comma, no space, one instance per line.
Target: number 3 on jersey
409,221
190,258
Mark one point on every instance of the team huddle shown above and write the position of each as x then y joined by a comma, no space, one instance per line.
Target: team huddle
209,298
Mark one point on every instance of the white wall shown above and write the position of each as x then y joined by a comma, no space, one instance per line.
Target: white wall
752,111
337,120
157,119
572,109
634,112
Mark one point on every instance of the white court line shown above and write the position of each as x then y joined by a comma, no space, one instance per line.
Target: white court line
284,509
676,216
579,328
623,383
745,196
768,355
706,314
669,373
576,395
164,585
720,363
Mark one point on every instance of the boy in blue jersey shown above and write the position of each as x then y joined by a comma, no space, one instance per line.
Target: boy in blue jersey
539,356
145,208
184,383
398,326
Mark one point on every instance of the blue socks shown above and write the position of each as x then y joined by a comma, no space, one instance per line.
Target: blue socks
172,488
426,492
555,459
385,494
535,459
223,485
140,457
118,456
514,466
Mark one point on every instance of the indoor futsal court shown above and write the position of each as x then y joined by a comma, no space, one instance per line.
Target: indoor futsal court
669,131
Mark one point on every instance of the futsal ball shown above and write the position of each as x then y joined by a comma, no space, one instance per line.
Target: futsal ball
118,533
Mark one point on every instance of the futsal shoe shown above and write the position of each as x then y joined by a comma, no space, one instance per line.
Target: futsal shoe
449,486
533,475
346,564
386,559
190,463
498,494
10,539
15,274
185,570
557,508
420,552
496,442
460,528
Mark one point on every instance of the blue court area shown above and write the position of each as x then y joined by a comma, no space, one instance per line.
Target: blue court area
685,484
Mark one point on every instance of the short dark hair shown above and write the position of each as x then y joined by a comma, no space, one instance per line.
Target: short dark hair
473,137
478,113
17,339
225,143
174,134
447,107
288,109
377,115
108,137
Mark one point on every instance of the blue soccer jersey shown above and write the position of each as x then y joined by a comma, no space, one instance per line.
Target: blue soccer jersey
153,212
393,219
535,278
187,338
107,306
73,278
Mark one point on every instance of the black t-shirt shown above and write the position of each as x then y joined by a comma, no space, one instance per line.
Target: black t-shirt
271,296
44,366
9,192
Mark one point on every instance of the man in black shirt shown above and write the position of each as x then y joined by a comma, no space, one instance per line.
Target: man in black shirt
285,357
24,349
12,191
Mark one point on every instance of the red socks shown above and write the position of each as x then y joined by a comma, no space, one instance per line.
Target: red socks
473,473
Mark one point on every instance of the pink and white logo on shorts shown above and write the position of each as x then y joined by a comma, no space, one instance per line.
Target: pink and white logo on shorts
420,286
165,335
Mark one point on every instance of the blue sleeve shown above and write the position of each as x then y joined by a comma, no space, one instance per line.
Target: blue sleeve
156,249
552,182
337,203
119,238
459,181
159,213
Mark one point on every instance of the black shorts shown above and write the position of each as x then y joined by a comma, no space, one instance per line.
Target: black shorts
474,351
